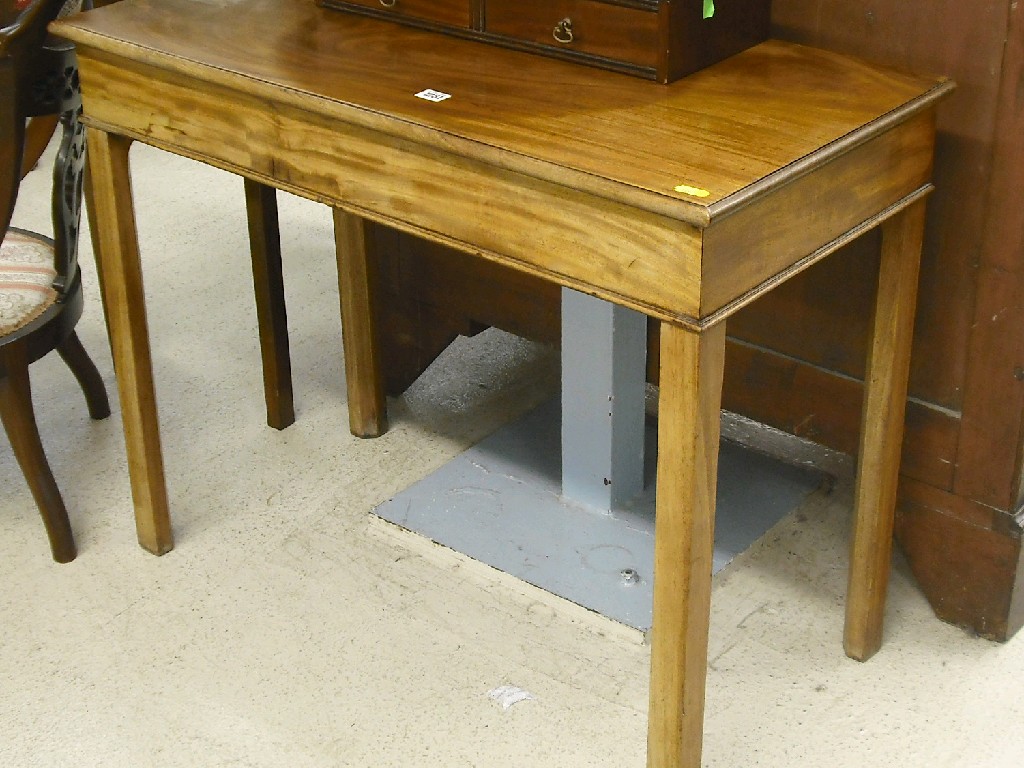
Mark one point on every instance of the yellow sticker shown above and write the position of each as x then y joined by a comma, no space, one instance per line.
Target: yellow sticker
695,191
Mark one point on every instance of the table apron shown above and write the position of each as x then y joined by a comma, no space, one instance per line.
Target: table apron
663,267
626,255
786,224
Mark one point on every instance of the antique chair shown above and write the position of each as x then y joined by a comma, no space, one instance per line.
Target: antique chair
40,282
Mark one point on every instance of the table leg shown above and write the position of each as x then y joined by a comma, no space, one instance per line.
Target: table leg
271,313
688,434
881,438
357,284
124,300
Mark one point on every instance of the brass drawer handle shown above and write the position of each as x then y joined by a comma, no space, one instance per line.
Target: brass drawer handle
562,31
389,3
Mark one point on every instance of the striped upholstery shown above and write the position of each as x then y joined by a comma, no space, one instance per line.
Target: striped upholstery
26,279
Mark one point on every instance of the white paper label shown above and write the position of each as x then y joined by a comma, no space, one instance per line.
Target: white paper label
431,95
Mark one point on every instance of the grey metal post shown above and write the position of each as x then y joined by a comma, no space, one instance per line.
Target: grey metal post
604,352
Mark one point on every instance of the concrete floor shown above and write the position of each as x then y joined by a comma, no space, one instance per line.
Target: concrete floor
291,628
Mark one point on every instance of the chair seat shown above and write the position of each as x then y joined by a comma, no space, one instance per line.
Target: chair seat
26,279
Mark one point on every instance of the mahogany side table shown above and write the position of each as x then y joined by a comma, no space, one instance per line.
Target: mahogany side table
683,201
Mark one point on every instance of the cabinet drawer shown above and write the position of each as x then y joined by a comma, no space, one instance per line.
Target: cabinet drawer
609,30
452,13
660,40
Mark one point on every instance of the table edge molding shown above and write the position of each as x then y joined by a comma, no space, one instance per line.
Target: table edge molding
812,258
808,163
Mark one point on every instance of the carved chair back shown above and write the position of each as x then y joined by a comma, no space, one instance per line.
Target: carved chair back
38,77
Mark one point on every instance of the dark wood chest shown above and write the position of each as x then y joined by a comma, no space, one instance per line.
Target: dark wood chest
660,40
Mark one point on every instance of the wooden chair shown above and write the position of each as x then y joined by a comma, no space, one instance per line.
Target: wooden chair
40,282
40,129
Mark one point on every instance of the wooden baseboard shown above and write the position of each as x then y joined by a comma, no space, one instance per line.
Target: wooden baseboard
823,406
966,556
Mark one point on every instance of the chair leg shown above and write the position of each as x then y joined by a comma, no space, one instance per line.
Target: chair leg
20,423
78,360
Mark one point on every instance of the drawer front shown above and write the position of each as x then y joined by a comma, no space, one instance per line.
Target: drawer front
610,30
452,13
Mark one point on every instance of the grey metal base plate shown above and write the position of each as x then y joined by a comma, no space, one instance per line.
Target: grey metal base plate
500,502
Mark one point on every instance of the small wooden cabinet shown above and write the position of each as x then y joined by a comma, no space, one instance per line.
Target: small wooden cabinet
660,40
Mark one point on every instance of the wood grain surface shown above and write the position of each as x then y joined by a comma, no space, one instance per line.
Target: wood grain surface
630,140
684,537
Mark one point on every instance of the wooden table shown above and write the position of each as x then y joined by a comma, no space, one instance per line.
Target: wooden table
684,201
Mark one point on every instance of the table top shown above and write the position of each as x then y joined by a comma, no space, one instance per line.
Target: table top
692,150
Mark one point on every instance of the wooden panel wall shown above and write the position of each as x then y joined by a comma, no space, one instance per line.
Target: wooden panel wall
830,307
989,461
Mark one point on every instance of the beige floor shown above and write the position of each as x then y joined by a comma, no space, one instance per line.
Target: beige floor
289,629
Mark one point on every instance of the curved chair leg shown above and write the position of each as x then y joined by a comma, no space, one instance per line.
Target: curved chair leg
78,360
20,423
